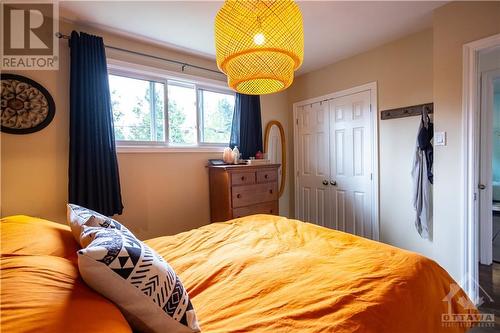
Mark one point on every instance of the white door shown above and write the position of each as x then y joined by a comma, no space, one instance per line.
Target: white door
313,167
334,164
351,164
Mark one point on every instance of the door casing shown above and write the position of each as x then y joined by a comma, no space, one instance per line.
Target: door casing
470,164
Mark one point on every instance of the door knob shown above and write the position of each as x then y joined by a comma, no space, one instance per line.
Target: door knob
482,186
325,182
333,182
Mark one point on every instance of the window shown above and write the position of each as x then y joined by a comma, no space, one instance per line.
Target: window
181,113
217,116
169,112
137,109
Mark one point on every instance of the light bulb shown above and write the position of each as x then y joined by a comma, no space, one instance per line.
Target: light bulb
259,39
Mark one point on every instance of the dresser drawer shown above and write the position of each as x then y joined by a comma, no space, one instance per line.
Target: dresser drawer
243,178
253,194
265,208
266,176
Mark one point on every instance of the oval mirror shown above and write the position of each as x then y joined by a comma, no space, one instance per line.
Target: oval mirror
275,148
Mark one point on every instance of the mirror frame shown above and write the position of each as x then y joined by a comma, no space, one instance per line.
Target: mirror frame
283,150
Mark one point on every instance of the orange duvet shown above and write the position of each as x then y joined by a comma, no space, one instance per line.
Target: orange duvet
270,274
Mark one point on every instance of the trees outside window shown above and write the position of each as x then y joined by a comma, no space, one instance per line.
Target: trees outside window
195,115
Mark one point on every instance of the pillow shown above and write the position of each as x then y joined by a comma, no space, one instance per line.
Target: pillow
50,238
45,294
125,270
79,216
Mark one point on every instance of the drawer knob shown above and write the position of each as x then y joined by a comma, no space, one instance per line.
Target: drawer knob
271,211
242,177
266,176
271,191
238,195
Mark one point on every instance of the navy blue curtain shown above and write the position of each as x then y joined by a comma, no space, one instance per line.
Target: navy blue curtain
94,181
246,130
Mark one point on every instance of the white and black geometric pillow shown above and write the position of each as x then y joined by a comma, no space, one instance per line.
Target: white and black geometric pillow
79,216
125,270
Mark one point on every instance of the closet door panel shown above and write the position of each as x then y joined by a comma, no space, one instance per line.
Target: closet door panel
314,167
350,163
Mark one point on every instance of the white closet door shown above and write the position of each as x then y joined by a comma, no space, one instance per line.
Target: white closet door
351,164
313,166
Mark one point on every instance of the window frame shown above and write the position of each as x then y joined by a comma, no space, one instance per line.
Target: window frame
153,74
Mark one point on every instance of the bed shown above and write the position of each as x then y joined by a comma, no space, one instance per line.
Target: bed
260,273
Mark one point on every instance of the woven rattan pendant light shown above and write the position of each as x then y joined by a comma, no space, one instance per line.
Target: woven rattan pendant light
259,44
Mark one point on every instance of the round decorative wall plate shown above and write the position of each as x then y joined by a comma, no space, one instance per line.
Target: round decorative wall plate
26,106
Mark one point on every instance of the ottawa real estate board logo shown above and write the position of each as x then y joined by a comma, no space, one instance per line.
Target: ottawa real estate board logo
28,35
468,317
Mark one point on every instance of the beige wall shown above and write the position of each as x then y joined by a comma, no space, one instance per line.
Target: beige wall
163,193
403,72
34,166
275,107
454,25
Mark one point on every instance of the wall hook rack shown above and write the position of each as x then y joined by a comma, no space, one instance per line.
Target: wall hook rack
408,111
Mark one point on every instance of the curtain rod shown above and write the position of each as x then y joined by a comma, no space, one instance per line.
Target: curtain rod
182,64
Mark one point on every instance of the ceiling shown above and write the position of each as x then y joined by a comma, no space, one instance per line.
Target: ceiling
333,30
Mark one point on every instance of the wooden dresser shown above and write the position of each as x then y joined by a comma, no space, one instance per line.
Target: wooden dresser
241,190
